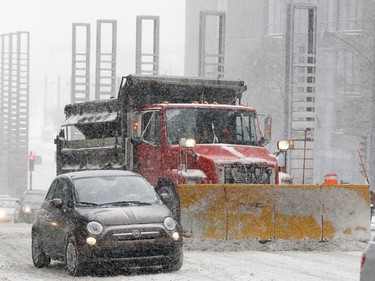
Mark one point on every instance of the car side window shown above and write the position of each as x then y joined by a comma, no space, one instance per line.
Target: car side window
51,191
60,190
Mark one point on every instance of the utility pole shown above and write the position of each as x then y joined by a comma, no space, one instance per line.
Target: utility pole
31,168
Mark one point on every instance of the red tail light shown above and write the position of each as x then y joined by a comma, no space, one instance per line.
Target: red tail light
363,260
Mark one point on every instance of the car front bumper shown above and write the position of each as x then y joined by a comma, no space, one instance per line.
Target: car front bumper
158,248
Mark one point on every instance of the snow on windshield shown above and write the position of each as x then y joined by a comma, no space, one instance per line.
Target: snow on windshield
217,125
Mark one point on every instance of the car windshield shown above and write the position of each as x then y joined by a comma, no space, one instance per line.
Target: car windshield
216,125
34,197
114,190
8,203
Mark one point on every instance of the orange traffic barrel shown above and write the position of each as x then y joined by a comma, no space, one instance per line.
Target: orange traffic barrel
330,179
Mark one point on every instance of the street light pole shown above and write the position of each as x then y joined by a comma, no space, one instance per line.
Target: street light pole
304,156
31,180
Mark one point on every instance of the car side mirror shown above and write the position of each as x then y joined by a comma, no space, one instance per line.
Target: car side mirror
165,196
56,203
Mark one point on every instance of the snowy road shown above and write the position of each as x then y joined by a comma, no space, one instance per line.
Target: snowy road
16,264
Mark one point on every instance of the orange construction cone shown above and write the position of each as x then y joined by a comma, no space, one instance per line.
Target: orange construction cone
330,179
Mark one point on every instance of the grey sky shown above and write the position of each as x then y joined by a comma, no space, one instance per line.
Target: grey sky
50,25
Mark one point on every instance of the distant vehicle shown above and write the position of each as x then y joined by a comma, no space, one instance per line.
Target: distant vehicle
8,206
29,205
98,217
368,262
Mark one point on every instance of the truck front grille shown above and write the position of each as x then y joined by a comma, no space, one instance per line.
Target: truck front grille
239,173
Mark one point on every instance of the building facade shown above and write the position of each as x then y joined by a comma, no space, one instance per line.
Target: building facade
309,64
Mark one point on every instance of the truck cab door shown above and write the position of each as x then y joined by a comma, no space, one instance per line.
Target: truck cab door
149,150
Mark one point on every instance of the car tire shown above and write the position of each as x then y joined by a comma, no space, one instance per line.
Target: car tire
73,260
173,203
175,264
39,256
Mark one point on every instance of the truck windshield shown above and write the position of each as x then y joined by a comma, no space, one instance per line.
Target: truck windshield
216,125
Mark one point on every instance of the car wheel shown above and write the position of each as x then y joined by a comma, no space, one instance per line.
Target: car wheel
173,203
40,258
73,260
175,264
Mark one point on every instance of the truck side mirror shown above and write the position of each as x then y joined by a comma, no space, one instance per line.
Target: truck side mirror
267,129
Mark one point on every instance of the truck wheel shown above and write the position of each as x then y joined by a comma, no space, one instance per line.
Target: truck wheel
173,203
40,258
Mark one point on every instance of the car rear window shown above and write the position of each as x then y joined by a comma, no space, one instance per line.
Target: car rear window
8,203
34,197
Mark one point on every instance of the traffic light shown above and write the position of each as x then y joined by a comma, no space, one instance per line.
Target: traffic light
31,162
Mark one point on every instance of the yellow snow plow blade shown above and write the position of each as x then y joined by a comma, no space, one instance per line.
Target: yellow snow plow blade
265,212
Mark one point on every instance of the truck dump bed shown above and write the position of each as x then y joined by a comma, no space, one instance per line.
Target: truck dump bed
138,90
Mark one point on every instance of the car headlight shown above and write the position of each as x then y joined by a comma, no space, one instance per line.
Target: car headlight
169,223
94,227
26,209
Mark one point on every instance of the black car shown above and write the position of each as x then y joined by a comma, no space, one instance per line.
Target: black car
105,217
29,205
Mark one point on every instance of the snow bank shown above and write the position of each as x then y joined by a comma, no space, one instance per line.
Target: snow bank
273,245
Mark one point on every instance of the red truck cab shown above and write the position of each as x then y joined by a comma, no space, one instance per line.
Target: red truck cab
229,145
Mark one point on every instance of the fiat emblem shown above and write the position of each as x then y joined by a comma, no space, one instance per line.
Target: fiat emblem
136,233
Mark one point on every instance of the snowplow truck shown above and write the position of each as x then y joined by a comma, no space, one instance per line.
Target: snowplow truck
204,153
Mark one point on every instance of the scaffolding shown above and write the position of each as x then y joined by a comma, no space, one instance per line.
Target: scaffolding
14,111
300,90
211,44
80,85
105,60
147,61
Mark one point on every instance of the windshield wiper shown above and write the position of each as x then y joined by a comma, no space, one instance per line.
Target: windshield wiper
119,203
88,203
215,140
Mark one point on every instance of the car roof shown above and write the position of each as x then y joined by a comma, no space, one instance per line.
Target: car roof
99,173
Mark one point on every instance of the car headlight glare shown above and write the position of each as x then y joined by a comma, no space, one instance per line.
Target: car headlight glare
169,223
91,241
94,227
26,209
175,236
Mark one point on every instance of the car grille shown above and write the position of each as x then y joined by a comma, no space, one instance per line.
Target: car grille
239,173
151,251
137,243
136,235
